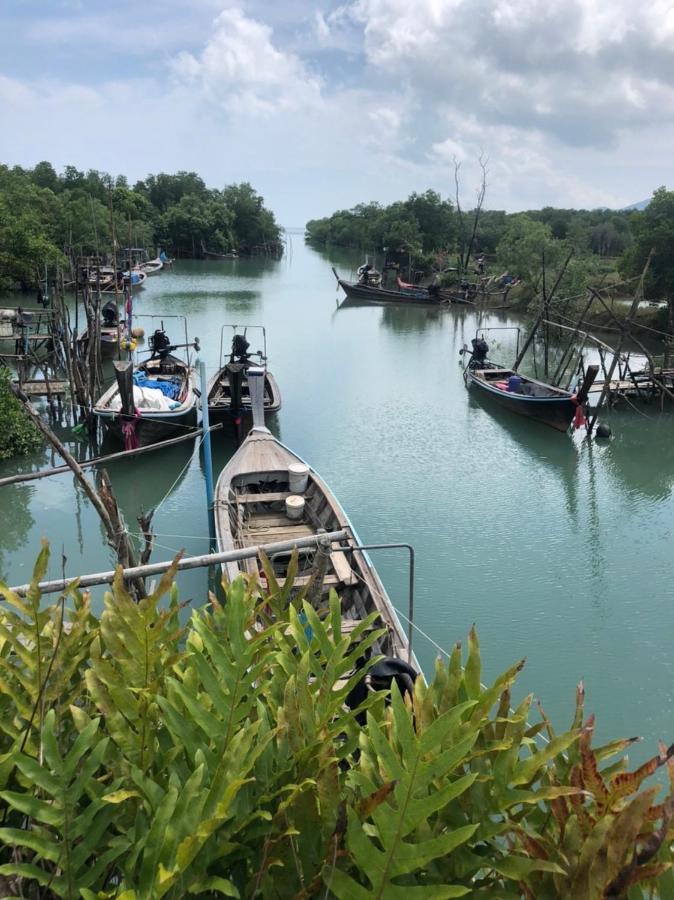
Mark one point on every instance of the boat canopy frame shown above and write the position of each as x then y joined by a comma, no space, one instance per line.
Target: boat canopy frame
262,354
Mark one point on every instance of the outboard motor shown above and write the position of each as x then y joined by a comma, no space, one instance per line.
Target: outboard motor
239,349
380,677
160,343
480,350
390,669
109,313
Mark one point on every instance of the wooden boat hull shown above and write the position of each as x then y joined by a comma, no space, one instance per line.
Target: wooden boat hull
245,518
383,295
153,425
109,341
151,429
219,397
556,411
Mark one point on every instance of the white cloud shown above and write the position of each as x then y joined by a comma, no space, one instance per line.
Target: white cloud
572,103
241,69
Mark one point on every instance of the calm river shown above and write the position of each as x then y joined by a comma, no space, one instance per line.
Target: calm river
558,549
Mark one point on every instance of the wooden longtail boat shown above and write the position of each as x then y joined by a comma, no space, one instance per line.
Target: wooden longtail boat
526,396
266,493
110,330
384,295
228,391
154,415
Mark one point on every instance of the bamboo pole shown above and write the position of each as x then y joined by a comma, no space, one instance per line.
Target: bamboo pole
190,562
541,316
606,390
111,457
72,463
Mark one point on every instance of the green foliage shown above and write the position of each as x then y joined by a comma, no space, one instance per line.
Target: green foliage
18,435
45,216
654,230
427,226
423,223
142,759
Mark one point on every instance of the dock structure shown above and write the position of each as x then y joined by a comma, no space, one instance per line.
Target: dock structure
41,387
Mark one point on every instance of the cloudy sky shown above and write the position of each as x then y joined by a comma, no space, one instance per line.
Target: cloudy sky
324,105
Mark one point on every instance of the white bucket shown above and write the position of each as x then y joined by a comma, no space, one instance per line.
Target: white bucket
298,477
294,507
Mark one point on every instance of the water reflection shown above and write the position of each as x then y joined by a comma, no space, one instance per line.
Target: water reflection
15,527
248,267
543,447
400,318
640,455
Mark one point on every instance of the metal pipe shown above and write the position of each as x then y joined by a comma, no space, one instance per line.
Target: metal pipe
190,562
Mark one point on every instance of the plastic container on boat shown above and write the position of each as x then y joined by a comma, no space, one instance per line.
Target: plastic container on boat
515,384
298,477
294,507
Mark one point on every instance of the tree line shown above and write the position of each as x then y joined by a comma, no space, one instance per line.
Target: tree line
433,232
48,218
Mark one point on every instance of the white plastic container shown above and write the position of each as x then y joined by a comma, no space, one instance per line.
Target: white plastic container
298,477
294,507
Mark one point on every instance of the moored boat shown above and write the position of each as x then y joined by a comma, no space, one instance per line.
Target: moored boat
152,266
159,400
267,493
551,405
365,291
228,389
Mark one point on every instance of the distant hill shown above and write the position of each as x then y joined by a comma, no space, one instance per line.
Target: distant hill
642,204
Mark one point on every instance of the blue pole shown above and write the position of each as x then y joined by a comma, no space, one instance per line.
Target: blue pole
208,459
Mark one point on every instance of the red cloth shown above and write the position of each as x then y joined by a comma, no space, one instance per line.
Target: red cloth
501,385
579,418
129,434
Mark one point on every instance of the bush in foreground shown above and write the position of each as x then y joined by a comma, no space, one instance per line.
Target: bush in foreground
17,434
140,758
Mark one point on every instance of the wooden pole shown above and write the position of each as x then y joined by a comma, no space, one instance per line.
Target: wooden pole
606,390
563,363
588,381
72,463
124,376
102,460
541,316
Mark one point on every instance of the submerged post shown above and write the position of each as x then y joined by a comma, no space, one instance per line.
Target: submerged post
208,459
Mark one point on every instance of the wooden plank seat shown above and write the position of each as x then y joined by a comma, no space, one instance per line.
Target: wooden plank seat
273,520
270,497
328,581
341,565
275,534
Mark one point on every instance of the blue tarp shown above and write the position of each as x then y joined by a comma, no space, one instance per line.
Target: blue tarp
170,389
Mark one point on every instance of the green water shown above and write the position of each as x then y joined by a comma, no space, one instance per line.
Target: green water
558,549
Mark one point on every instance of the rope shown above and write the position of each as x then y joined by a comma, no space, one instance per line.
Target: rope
437,646
181,473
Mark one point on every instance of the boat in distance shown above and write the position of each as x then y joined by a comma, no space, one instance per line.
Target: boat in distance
525,396
268,494
410,294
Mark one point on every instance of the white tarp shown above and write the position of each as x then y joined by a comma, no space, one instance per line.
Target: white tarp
147,398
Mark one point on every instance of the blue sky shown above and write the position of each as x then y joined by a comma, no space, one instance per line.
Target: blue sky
324,105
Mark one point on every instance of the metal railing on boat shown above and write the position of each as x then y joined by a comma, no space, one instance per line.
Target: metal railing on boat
210,559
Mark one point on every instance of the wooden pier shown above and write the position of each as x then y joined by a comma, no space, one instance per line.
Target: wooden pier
42,388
